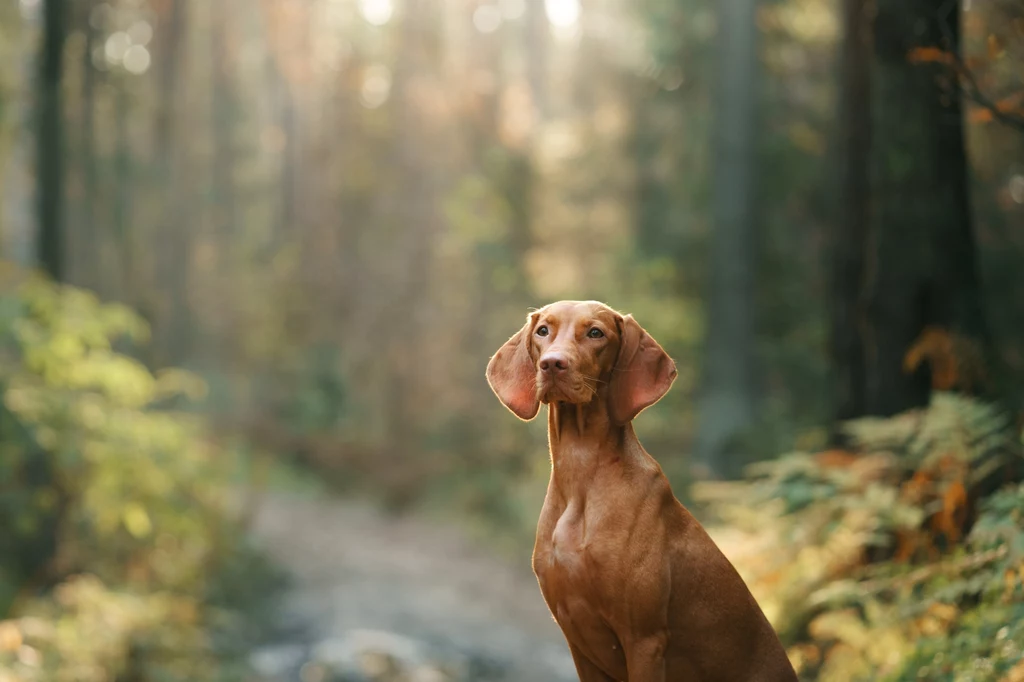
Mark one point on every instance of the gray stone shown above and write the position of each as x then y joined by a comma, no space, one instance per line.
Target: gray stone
277,662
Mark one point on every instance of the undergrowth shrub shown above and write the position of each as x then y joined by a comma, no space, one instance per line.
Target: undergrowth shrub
899,559
121,557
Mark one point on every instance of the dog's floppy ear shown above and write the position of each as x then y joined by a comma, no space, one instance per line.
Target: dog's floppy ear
642,374
512,373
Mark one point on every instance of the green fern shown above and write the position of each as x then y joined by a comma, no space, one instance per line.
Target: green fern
956,617
952,425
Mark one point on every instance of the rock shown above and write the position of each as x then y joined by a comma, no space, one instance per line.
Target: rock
317,672
351,646
430,673
277,662
380,656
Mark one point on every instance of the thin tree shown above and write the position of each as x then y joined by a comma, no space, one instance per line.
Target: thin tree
50,140
175,235
728,396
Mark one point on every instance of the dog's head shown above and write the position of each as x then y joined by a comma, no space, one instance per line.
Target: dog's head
577,352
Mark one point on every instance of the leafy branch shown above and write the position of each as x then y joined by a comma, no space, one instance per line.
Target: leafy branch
1001,110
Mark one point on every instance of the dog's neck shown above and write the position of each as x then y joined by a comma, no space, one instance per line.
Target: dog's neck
583,439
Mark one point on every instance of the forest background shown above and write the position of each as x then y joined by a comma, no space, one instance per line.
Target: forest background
328,214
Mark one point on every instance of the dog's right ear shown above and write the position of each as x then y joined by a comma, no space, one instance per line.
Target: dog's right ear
512,373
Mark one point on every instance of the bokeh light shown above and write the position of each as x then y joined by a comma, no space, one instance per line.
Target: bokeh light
136,60
1017,188
116,46
487,18
141,32
376,86
562,13
376,12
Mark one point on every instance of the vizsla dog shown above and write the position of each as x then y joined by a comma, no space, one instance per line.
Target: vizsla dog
640,591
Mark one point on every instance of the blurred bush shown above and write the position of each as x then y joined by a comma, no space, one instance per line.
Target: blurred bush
120,556
901,558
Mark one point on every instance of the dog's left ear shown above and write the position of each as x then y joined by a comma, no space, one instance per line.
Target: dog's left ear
512,374
642,374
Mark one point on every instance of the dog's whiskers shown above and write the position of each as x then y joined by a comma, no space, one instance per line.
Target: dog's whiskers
592,389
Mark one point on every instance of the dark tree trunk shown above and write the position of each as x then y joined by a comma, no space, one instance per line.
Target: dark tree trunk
92,272
50,140
909,212
32,554
849,243
728,395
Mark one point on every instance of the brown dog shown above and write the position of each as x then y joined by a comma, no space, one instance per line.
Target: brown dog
640,591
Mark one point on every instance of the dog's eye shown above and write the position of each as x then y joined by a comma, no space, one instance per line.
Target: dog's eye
595,333
542,330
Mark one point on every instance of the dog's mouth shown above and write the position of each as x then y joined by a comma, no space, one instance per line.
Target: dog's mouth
568,389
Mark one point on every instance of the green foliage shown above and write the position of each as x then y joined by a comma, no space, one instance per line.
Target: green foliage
123,560
878,579
986,645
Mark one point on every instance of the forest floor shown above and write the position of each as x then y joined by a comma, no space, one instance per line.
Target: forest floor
367,586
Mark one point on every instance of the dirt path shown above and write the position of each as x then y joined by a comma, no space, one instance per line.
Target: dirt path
406,584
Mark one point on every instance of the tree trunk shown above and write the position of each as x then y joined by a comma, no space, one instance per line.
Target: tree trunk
50,140
848,245
222,115
90,267
909,211
289,172
728,396
537,37
123,196
413,219
175,238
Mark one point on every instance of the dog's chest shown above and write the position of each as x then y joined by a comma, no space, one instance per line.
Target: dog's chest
567,540
570,559
571,567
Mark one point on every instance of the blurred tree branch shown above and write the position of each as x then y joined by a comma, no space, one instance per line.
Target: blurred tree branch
966,77
972,90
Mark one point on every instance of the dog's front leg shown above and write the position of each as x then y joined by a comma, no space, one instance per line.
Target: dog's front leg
586,668
645,659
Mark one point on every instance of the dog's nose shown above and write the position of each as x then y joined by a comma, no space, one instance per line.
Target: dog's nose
554,362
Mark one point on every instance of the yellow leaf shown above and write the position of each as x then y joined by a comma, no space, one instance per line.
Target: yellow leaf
10,636
804,656
844,626
136,520
937,620
843,662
